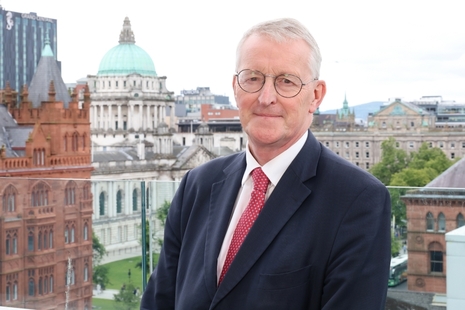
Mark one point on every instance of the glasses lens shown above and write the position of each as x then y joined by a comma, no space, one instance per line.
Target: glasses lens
251,81
288,85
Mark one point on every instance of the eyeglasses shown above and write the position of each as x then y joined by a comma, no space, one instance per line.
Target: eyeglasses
286,85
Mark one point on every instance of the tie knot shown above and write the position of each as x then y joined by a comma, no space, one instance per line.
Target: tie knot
260,180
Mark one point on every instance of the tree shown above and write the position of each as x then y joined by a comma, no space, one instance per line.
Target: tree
395,246
161,214
393,160
127,297
99,272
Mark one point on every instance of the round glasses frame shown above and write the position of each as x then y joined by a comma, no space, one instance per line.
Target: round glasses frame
275,78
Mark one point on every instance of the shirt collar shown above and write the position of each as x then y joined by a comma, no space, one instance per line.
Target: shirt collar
275,168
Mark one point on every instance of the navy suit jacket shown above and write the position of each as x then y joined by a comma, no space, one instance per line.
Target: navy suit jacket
322,240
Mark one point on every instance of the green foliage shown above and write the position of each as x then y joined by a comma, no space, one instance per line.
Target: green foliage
395,245
393,160
99,272
161,214
126,299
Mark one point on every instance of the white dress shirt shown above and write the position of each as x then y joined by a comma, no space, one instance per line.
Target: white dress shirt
274,170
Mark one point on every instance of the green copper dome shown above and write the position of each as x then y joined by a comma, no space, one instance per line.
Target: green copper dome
126,58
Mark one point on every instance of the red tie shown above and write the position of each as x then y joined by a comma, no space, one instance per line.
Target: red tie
248,217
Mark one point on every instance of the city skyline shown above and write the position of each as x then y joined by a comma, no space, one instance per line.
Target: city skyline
371,52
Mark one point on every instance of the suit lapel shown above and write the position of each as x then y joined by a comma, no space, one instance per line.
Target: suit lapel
222,199
279,208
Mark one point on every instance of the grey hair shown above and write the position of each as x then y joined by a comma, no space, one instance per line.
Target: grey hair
281,30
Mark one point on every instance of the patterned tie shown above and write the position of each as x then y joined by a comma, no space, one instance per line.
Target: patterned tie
248,217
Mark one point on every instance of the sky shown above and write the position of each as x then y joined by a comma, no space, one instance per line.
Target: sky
372,50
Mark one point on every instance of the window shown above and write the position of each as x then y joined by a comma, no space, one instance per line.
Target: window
431,144
134,200
7,245
39,241
367,166
367,154
30,242
337,143
367,144
86,232
72,235
7,292
51,284
347,144
50,239
15,244
383,125
39,195
327,144
86,273
452,155
441,144
436,257
397,144
9,199
429,222
411,145
357,144
45,285
441,222
15,291
357,155
118,201
102,204
41,289
45,239
66,234
31,287
75,142
452,145
460,220
119,234
70,193
412,124
347,155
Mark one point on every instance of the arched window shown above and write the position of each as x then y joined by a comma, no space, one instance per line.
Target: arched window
15,291
41,288
50,239
73,277
45,285
39,241
65,142
72,234
31,287
45,240
7,292
75,141
119,197
86,233
7,245
429,221
30,241
39,196
460,220
51,284
66,234
9,199
436,257
86,273
134,200
15,244
441,222
70,193
102,204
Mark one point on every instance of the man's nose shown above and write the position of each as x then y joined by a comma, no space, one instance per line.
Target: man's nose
268,93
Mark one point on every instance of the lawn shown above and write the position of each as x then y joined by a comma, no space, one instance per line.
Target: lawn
106,304
118,272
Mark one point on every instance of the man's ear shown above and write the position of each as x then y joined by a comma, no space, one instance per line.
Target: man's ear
319,93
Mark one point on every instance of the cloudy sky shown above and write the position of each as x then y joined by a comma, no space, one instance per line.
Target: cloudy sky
372,50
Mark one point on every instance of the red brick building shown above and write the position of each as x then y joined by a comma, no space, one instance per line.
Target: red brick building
45,195
432,212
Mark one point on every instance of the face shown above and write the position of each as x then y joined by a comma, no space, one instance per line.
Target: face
273,123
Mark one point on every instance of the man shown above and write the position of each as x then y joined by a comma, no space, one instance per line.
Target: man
322,238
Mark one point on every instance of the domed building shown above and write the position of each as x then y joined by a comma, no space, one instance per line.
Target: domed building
129,99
